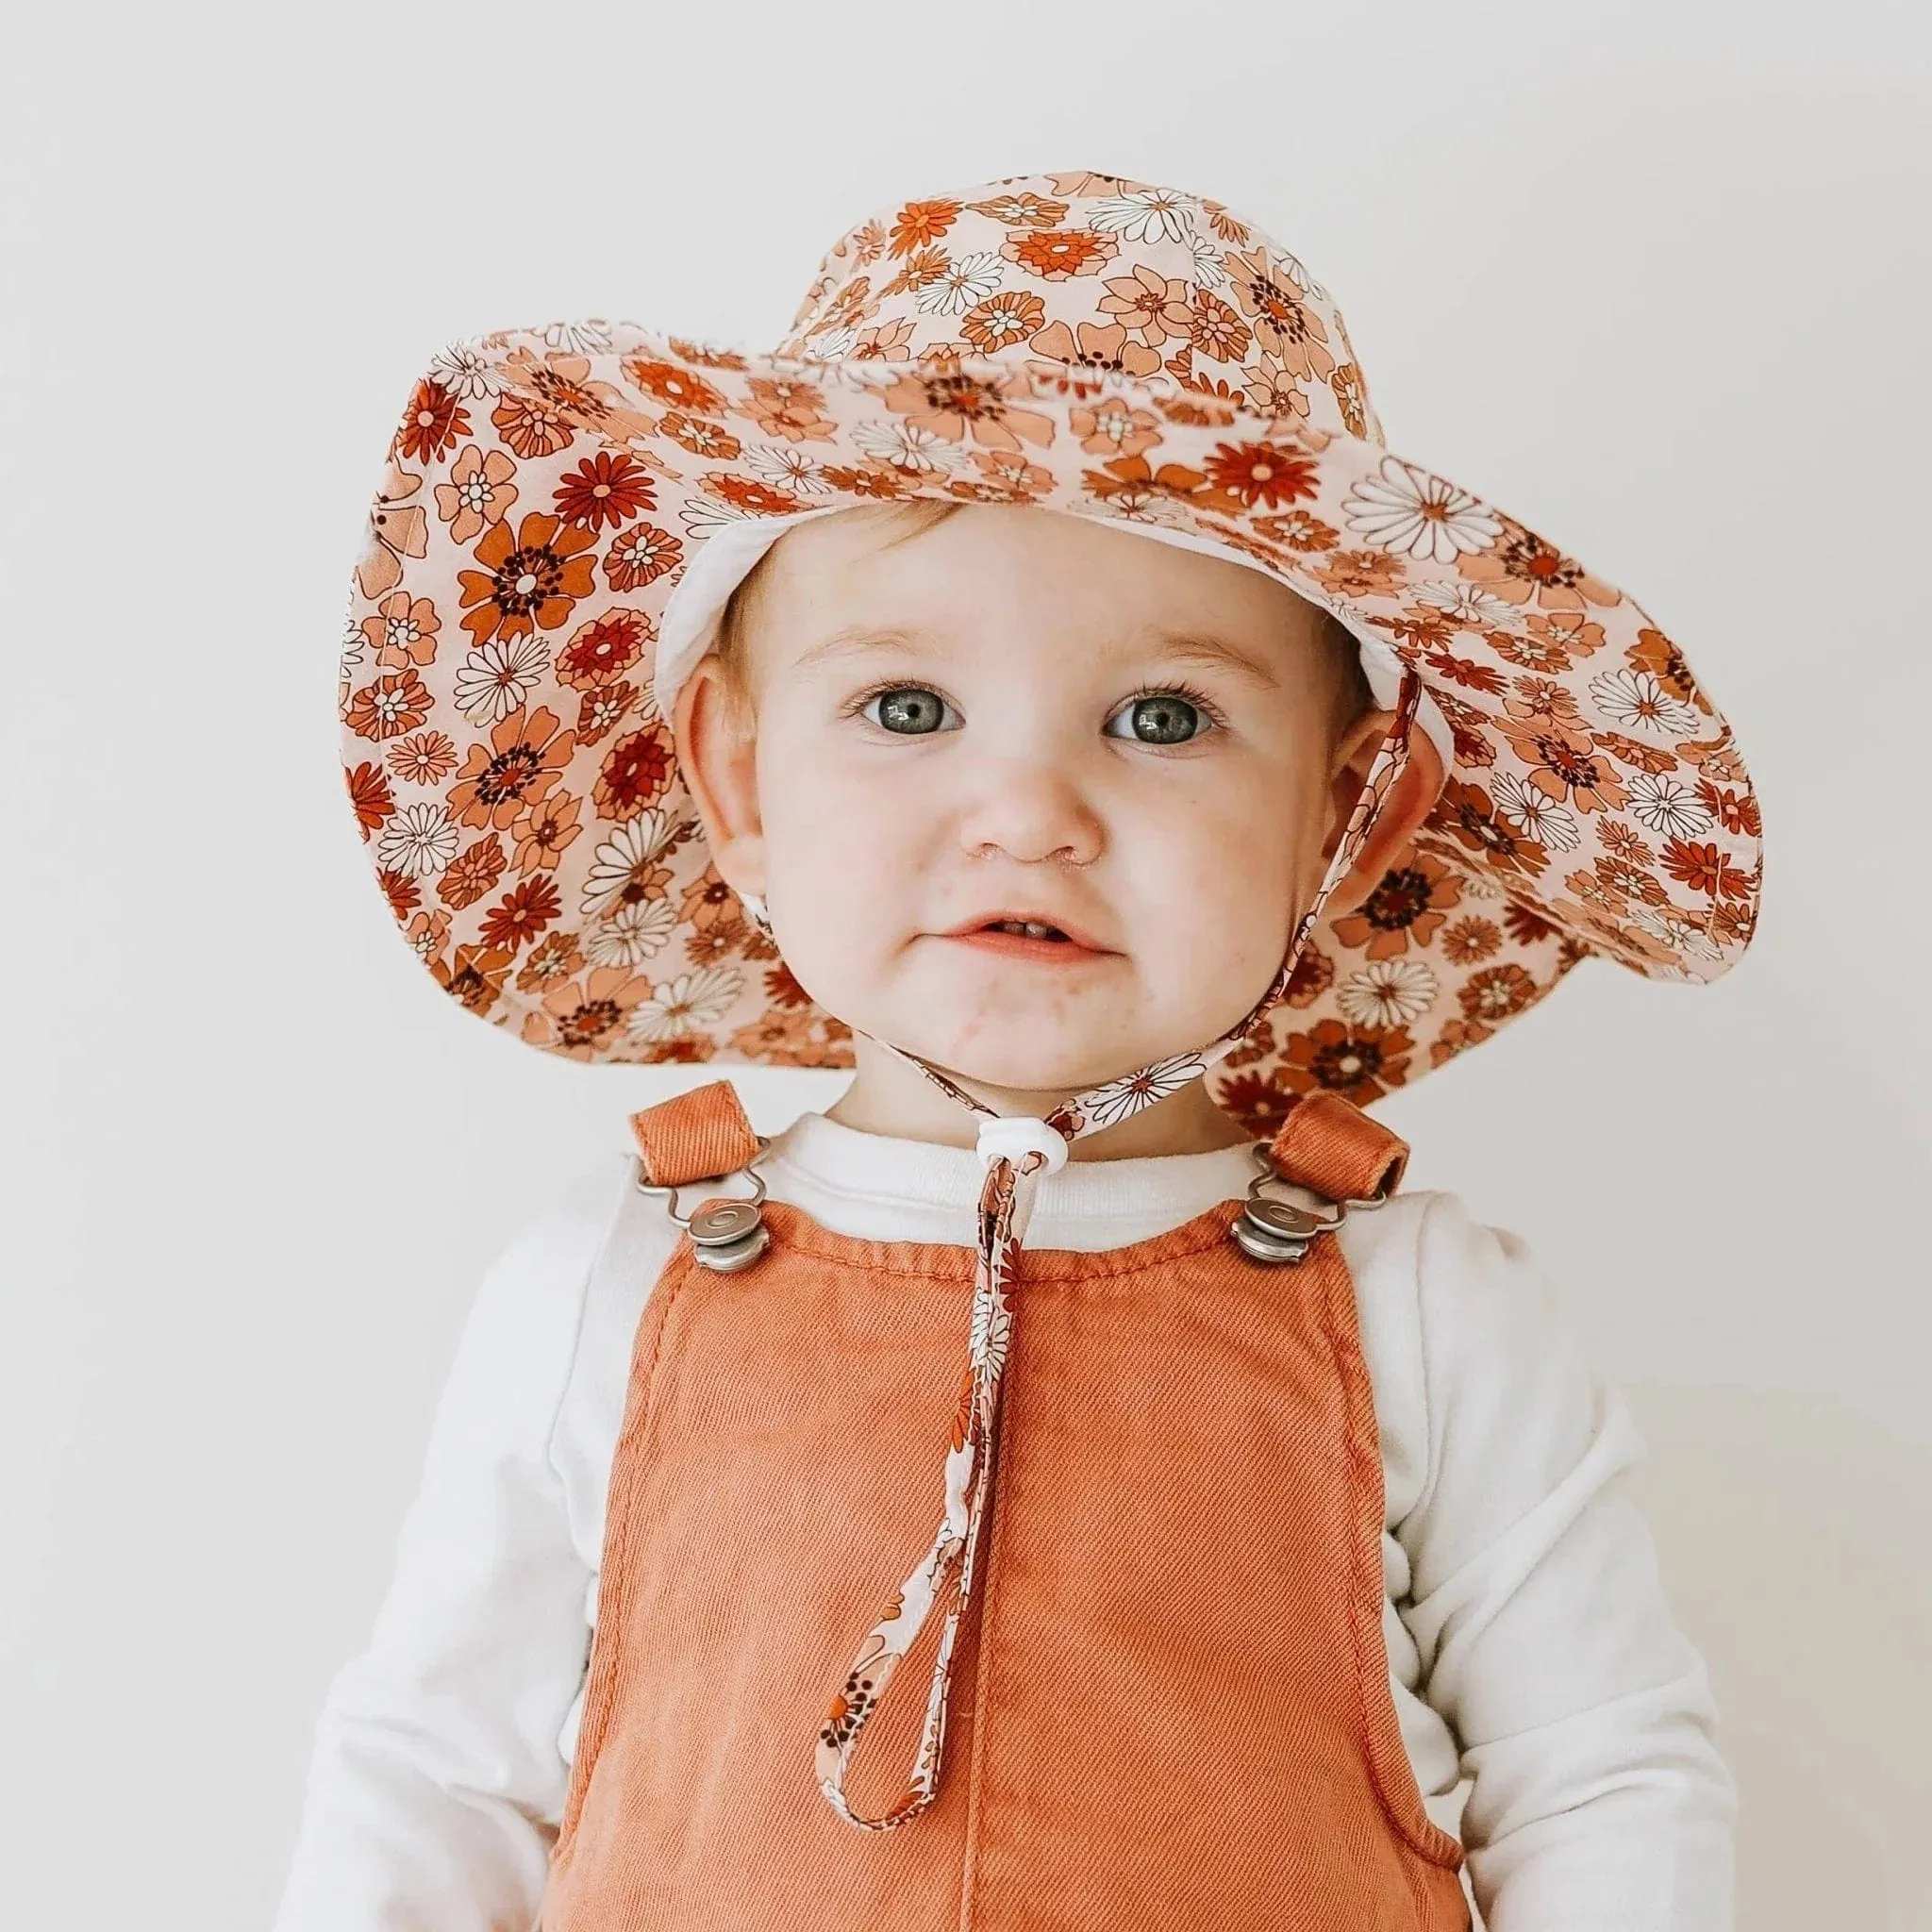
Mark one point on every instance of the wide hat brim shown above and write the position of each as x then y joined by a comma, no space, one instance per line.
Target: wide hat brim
518,787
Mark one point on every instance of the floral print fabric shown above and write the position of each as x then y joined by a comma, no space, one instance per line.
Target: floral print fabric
1076,341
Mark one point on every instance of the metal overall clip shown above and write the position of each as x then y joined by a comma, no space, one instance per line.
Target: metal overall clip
1277,1228
727,1232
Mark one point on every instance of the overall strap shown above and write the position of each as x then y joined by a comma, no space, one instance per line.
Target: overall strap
1329,1146
695,1137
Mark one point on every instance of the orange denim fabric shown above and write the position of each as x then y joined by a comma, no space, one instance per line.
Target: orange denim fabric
1171,1706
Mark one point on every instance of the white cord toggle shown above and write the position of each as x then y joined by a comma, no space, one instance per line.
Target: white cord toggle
1013,1136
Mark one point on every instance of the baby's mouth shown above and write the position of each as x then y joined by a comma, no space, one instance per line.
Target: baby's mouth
1026,928
1018,937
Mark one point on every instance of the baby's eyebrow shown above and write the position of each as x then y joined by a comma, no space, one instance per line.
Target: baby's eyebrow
859,640
1211,652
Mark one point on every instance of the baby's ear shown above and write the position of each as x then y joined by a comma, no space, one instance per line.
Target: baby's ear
717,752
1408,802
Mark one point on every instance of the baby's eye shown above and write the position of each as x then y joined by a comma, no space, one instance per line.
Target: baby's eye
910,709
1162,717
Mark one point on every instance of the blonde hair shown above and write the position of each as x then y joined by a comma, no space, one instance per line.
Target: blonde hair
1348,686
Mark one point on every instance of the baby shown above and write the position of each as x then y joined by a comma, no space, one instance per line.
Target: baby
1273,1501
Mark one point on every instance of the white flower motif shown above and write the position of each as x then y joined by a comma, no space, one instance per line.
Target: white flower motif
1472,608
355,645
1637,701
704,517
462,370
1407,509
990,1333
787,469
628,851
1145,214
970,279
417,840
678,1007
1675,927
834,345
1388,992
1209,271
1478,884
1119,1099
905,447
631,934
1667,804
495,678
577,338
1535,814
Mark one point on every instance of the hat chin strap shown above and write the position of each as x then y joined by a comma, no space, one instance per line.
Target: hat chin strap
1018,1152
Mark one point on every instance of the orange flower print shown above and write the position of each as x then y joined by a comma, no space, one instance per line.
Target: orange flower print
1564,765
426,759
479,491
920,222
403,893
1468,941
578,1019
427,934
1735,812
1651,758
669,383
1113,427
555,959
711,440
1467,671
1496,993
746,493
1361,1063
601,711
1706,869
604,491
1214,331
793,410
1314,972
1259,1101
1004,477
532,425
640,556
1003,320
370,795
1410,903
1261,473
522,914
709,902
785,1039
1362,573
1151,305
1298,530
1023,211
1466,813
1058,255
1655,652
949,404
532,581
397,529
608,644
393,704
1133,487
524,757
783,990
1282,325
403,631
1351,398
546,827
474,975
472,873
636,773
1094,350
432,424
1271,391
1519,566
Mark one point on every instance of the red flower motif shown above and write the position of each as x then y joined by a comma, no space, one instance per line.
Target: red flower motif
606,489
533,580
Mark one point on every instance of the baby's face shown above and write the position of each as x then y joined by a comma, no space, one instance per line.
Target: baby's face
1037,800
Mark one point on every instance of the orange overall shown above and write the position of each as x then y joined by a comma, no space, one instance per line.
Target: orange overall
1171,1705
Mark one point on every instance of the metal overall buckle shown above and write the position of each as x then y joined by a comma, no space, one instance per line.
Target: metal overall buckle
727,1232
1280,1229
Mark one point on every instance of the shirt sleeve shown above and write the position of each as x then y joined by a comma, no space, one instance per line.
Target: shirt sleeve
437,1779
1598,1801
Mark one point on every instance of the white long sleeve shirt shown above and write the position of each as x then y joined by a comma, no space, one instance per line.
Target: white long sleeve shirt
1531,1650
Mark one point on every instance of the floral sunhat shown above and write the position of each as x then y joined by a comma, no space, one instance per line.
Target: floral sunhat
565,508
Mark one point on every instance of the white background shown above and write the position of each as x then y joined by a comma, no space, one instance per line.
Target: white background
1653,277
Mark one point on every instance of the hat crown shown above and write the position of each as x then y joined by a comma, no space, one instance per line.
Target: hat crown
1098,274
